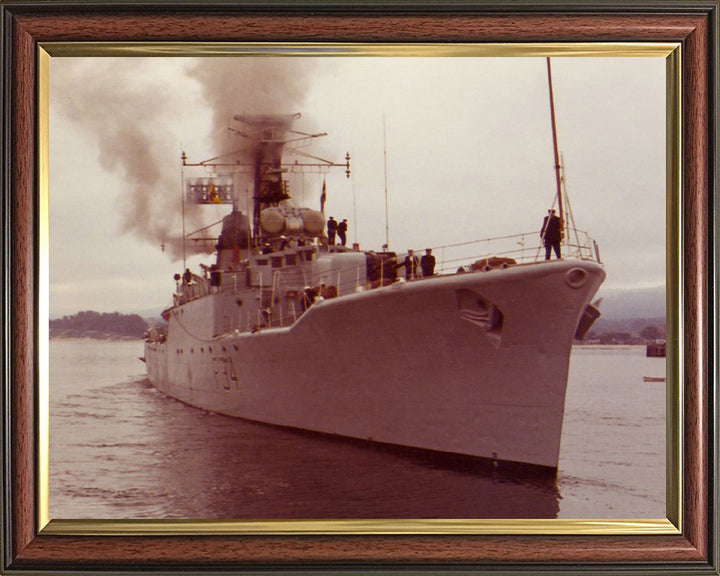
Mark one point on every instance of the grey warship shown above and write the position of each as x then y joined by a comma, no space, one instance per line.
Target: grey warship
471,361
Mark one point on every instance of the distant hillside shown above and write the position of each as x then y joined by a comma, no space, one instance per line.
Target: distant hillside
625,313
616,304
107,326
637,303
630,316
632,325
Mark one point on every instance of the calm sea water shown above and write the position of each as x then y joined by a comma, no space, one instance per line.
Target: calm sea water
121,449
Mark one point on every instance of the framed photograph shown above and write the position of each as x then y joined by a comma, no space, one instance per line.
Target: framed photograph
259,257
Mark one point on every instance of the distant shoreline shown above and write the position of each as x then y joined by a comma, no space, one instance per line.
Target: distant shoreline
108,336
99,326
606,346
90,335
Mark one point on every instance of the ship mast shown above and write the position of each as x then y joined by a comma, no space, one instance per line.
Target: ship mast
261,158
182,199
558,176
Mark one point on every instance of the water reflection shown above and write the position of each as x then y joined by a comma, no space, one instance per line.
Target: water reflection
217,467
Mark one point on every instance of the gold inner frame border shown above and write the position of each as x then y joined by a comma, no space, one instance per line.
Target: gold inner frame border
89,527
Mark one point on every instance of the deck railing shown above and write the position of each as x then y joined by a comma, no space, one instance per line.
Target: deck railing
516,249
522,248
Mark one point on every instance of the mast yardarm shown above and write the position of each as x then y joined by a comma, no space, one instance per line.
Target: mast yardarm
266,136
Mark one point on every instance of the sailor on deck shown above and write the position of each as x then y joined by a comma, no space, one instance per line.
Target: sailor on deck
342,231
551,234
332,227
411,265
427,263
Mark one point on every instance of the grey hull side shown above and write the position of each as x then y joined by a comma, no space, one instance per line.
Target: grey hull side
473,364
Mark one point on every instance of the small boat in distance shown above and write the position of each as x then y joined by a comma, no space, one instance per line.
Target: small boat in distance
287,328
656,349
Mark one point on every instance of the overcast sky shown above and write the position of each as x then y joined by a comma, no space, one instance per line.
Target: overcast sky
469,156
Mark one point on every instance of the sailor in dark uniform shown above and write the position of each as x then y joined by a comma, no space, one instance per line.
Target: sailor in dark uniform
427,263
411,265
551,234
342,231
332,227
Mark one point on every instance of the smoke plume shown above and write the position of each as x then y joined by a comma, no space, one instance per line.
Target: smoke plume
255,85
132,114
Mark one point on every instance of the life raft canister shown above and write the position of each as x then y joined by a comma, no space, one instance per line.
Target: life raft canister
313,222
272,221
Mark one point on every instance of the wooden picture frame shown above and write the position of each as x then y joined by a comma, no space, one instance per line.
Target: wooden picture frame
29,546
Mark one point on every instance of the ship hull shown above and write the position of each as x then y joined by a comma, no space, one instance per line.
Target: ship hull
473,364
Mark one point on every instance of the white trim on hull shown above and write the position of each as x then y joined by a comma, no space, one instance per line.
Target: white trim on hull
473,364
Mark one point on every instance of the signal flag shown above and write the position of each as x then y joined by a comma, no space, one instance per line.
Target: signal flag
323,197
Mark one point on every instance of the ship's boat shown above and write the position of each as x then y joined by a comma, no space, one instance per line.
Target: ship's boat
656,349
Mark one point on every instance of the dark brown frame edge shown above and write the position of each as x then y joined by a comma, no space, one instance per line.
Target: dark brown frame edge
694,23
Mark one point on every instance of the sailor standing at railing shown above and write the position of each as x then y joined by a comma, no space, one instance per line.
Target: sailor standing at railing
411,264
427,263
551,234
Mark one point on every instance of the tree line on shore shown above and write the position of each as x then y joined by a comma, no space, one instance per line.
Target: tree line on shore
93,324
647,335
98,324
